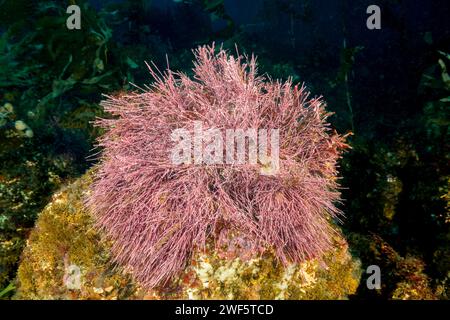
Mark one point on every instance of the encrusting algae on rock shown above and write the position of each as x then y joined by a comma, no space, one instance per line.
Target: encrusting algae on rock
64,236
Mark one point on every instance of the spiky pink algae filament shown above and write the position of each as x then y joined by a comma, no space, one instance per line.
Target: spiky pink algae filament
158,213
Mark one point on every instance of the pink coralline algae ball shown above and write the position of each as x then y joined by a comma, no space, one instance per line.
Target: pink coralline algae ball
158,212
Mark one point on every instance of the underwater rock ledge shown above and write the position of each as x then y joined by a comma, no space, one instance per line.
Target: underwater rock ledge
64,239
